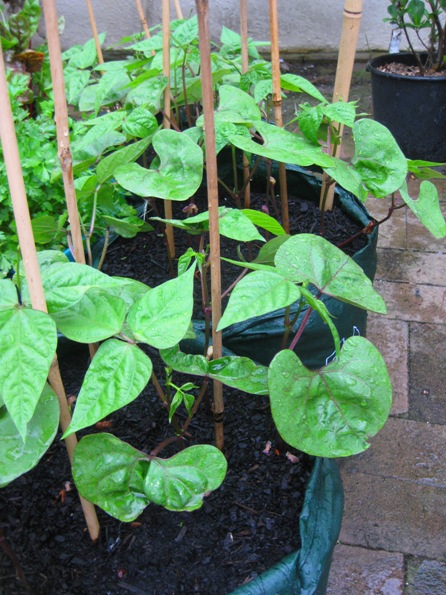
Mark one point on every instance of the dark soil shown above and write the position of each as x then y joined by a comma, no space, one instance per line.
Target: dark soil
243,528
407,70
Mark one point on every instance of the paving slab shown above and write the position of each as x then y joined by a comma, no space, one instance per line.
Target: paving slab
425,577
410,301
427,385
404,266
391,337
366,572
394,515
405,450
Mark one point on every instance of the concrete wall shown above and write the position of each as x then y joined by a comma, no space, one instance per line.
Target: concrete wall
305,25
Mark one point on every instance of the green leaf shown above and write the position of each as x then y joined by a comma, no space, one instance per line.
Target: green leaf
283,146
310,119
124,228
258,293
109,473
235,106
268,251
307,257
237,372
179,174
140,123
116,376
66,283
96,140
181,482
378,158
18,457
264,221
8,295
333,411
44,228
107,166
87,57
123,481
28,342
426,208
161,318
149,93
75,84
97,316
346,175
341,112
298,84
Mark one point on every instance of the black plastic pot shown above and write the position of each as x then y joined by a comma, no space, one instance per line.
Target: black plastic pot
305,572
412,107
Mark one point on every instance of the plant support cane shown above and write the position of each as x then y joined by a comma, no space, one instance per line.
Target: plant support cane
277,102
95,32
32,271
245,64
212,188
142,18
166,119
346,58
63,135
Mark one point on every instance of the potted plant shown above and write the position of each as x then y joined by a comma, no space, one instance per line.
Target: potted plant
327,411
409,89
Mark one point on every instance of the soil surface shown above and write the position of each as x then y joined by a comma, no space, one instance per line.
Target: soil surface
407,70
243,528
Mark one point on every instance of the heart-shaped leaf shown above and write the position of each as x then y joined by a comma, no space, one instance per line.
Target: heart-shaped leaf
116,376
307,257
426,208
331,412
179,174
161,318
181,482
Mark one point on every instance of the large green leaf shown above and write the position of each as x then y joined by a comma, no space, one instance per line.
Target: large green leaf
235,106
181,482
109,473
116,376
378,158
140,122
264,221
331,412
123,481
237,372
307,257
346,175
28,342
426,208
161,318
18,457
258,293
281,145
66,283
299,84
98,315
107,166
179,174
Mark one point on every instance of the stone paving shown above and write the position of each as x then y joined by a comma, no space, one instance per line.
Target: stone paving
393,536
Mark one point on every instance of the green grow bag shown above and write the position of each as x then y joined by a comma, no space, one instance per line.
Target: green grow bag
260,338
305,572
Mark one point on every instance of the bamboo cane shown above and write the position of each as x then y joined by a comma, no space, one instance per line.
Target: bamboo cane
212,189
166,119
245,65
95,32
178,9
277,103
63,139
346,59
29,255
142,18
